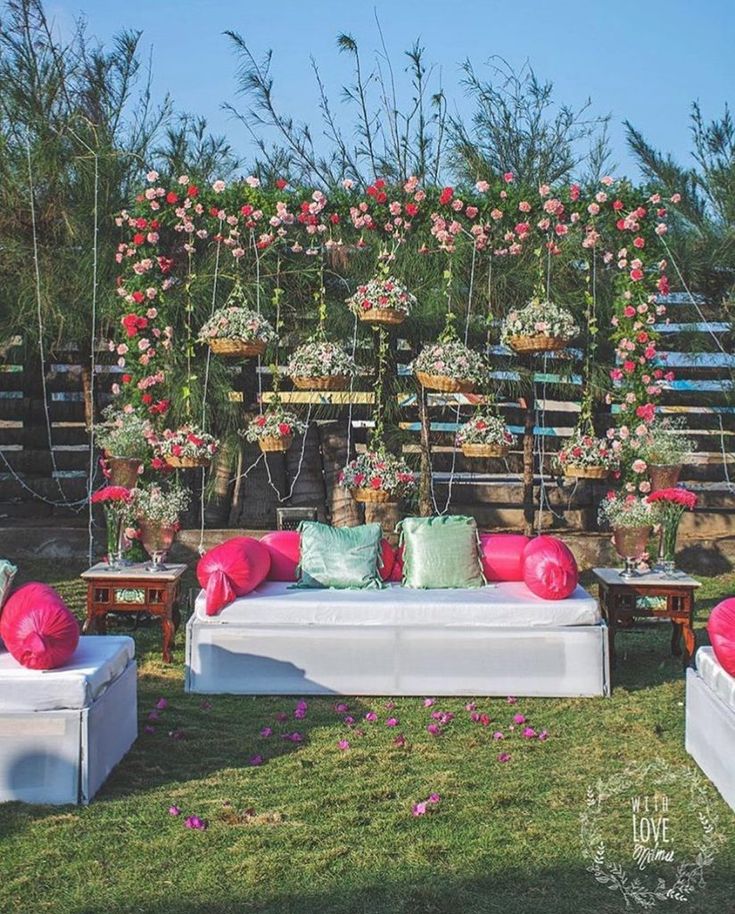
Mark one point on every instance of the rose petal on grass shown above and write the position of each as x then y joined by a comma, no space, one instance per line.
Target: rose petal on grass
196,823
206,705
470,706
511,700
504,757
434,798
343,745
149,729
371,716
174,811
256,760
529,733
349,721
161,704
265,732
519,719
392,722
428,702
434,729
419,809
543,736
341,708
498,735
400,740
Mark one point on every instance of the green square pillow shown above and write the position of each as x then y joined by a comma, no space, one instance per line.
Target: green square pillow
441,552
340,557
7,573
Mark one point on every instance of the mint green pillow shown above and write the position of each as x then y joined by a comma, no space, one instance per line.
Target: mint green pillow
7,573
441,552
340,557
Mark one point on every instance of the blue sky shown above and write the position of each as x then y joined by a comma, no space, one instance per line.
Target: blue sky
641,61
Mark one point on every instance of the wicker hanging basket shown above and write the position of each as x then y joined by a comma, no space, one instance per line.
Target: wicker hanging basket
372,496
444,384
485,450
388,316
187,463
243,349
538,343
591,472
271,444
328,382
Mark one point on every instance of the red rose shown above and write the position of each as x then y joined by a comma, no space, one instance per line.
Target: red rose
636,275
260,421
281,183
411,209
138,238
334,218
192,191
446,195
617,205
284,429
147,399
639,242
141,223
127,378
376,482
246,209
138,297
171,197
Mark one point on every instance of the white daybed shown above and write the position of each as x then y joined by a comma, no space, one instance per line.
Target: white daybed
62,731
495,640
710,721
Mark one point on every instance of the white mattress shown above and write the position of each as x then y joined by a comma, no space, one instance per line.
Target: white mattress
717,678
494,606
97,662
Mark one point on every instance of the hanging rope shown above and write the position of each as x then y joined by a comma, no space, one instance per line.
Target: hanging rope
93,365
452,469
39,314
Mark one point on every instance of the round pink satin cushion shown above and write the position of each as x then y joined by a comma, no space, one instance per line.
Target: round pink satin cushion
284,547
38,628
232,570
502,556
549,568
721,631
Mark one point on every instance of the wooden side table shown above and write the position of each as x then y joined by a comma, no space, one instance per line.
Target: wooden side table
134,589
619,601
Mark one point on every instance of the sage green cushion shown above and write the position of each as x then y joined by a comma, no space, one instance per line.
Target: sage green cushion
441,552
339,557
7,573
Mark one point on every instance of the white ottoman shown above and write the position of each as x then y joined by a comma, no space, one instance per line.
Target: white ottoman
710,722
63,731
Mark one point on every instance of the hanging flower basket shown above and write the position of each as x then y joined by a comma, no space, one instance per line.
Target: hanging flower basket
585,456
373,496
537,343
485,450
239,348
385,316
321,365
590,472
485,435
275,444
449,367
274,430
186,447
377,477
187,463
328,382
541,326
383,300
238,331
443,383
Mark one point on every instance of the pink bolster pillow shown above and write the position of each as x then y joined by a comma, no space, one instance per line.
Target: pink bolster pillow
396,575
502,556
549,568
231,570
38,628
721,631
386,570
284,547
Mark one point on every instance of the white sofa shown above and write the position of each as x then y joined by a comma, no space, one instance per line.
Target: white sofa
62,731
710,721
495,640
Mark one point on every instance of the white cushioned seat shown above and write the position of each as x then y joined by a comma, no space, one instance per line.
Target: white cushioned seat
96,663
62,731
716,677
502,605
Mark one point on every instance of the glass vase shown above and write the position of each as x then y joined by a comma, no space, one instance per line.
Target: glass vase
667,545
157,538
630,544
113,525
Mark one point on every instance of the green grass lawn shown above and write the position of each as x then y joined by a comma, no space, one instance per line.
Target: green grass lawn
317,828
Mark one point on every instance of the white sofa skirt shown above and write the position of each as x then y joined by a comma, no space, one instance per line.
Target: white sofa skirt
710,722
497,640
63,731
